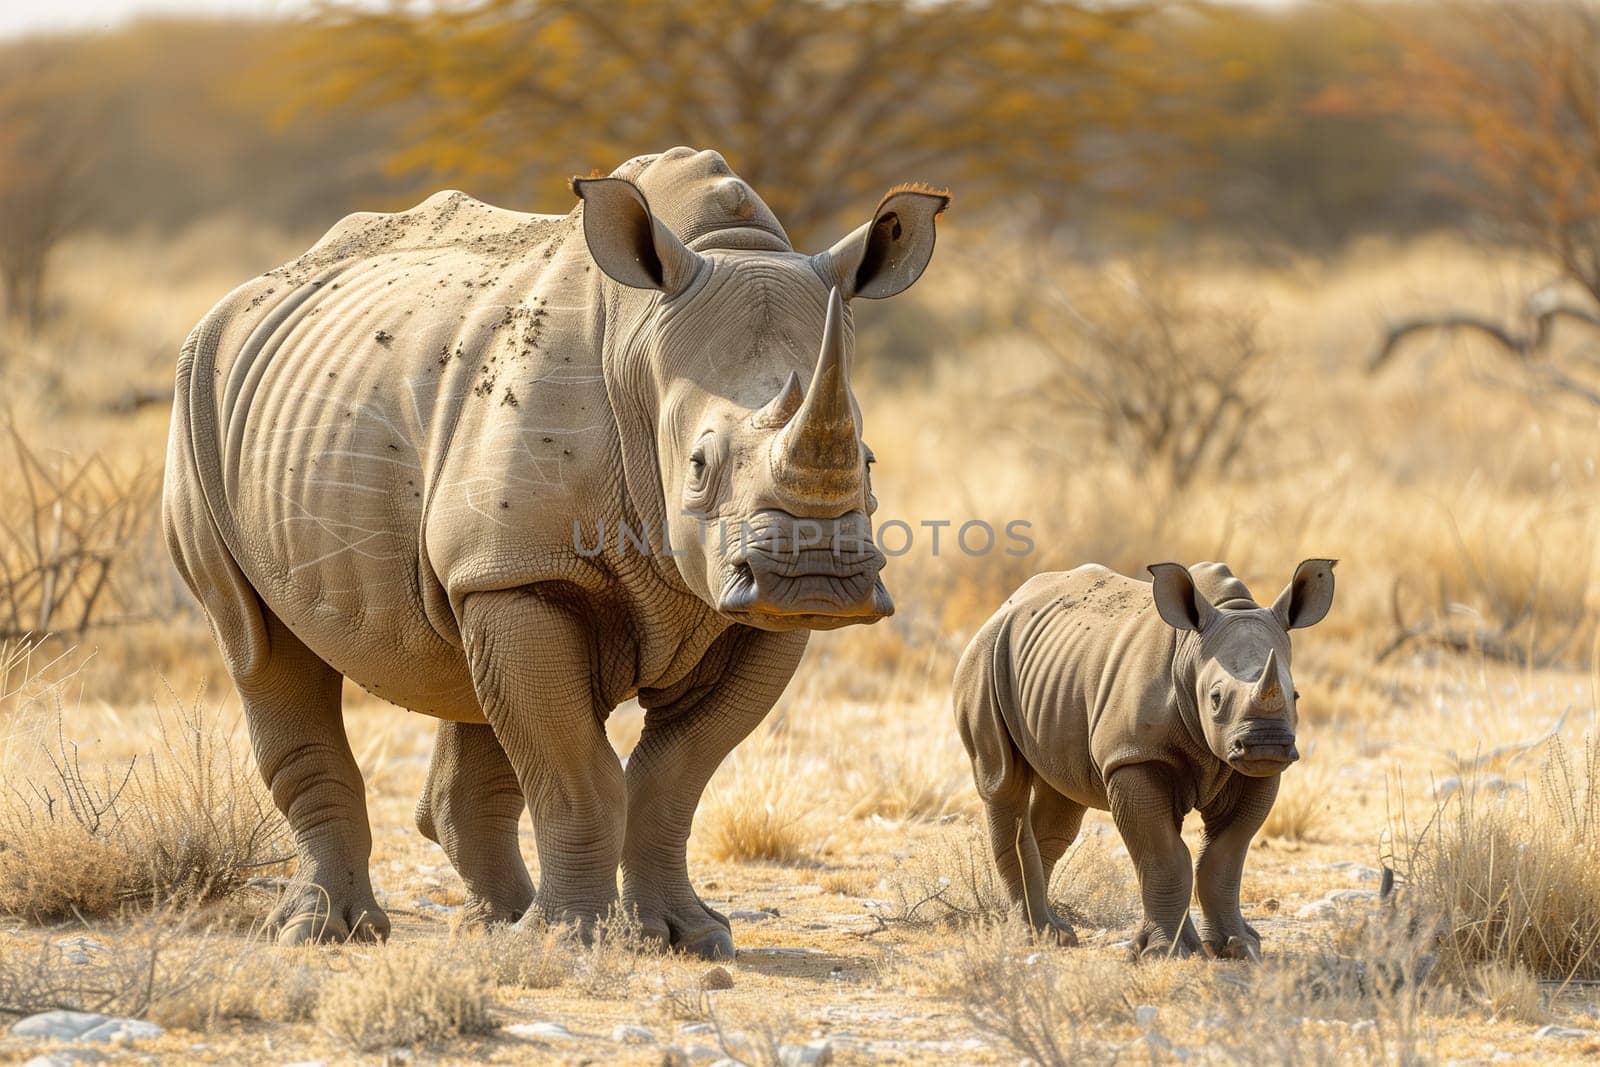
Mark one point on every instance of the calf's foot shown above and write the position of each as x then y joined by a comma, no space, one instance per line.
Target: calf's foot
1055,930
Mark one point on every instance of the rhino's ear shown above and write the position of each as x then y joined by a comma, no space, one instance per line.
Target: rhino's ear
629,243
886,255
1306,599
1180,604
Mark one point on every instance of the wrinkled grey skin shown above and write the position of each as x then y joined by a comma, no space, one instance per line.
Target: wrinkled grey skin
1089,689
393,460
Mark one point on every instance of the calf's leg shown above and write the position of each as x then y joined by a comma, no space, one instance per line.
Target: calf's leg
1148,818
1228,831
470,807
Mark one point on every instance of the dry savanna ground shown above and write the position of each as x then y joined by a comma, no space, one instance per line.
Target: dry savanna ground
1131,413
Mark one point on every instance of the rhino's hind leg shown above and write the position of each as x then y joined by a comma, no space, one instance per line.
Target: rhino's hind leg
1018,857
1056,821
470,807
292,706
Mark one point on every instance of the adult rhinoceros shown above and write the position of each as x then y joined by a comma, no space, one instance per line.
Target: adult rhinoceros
408,457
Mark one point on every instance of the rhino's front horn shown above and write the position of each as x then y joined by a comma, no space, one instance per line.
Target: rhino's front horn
817,456
1268,693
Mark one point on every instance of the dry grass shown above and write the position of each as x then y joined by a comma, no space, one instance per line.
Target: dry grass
1459,502
1305,805
1515,877
952,881
187,824
407,995
760,806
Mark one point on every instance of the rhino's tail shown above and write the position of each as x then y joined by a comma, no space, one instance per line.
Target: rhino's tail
194,538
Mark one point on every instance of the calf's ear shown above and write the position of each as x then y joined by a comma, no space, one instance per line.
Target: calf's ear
886,255
1179,603
1308,596
629,243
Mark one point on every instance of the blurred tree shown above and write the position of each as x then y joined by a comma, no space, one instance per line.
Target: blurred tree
45,126
819,104
1511,88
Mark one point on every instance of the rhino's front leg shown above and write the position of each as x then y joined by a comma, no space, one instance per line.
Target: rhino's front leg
1229,829
687,732
532,661
1147,817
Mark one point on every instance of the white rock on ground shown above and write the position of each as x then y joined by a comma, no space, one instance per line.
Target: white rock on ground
540,1031
633,1035
84,1026
810,1054
753,916
1568,1033
66,1058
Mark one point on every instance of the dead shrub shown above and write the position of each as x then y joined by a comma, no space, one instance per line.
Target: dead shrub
157,968
408,994
1045,1005
1515,878
1169,385
188,824
952,880
69,531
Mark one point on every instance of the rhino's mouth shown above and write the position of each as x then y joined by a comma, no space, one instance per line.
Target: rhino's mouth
1262,751
776,583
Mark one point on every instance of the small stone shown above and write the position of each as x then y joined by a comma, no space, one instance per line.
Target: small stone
752,916
116,1031
633,1035
540,1031
1145,1015
67,1057
58,1025
716,978
810,1054
701,1054
1318,909
695,1028
1564,1033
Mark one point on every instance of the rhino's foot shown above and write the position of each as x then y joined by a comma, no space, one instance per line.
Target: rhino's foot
1056,931
1155,942
310,912
1236,948
488,911
691,927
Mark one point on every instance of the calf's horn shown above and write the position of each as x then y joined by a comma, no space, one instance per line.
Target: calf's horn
817,455
1268,693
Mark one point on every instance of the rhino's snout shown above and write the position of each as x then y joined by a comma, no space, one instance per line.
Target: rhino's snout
1262,749
804,574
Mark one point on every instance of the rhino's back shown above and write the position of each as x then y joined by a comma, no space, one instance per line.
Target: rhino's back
324,398
1088,660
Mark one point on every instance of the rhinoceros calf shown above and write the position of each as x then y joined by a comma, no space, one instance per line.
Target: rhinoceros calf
509,470
1089,689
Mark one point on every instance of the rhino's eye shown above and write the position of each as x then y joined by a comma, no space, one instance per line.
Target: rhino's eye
697,464
1216,700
